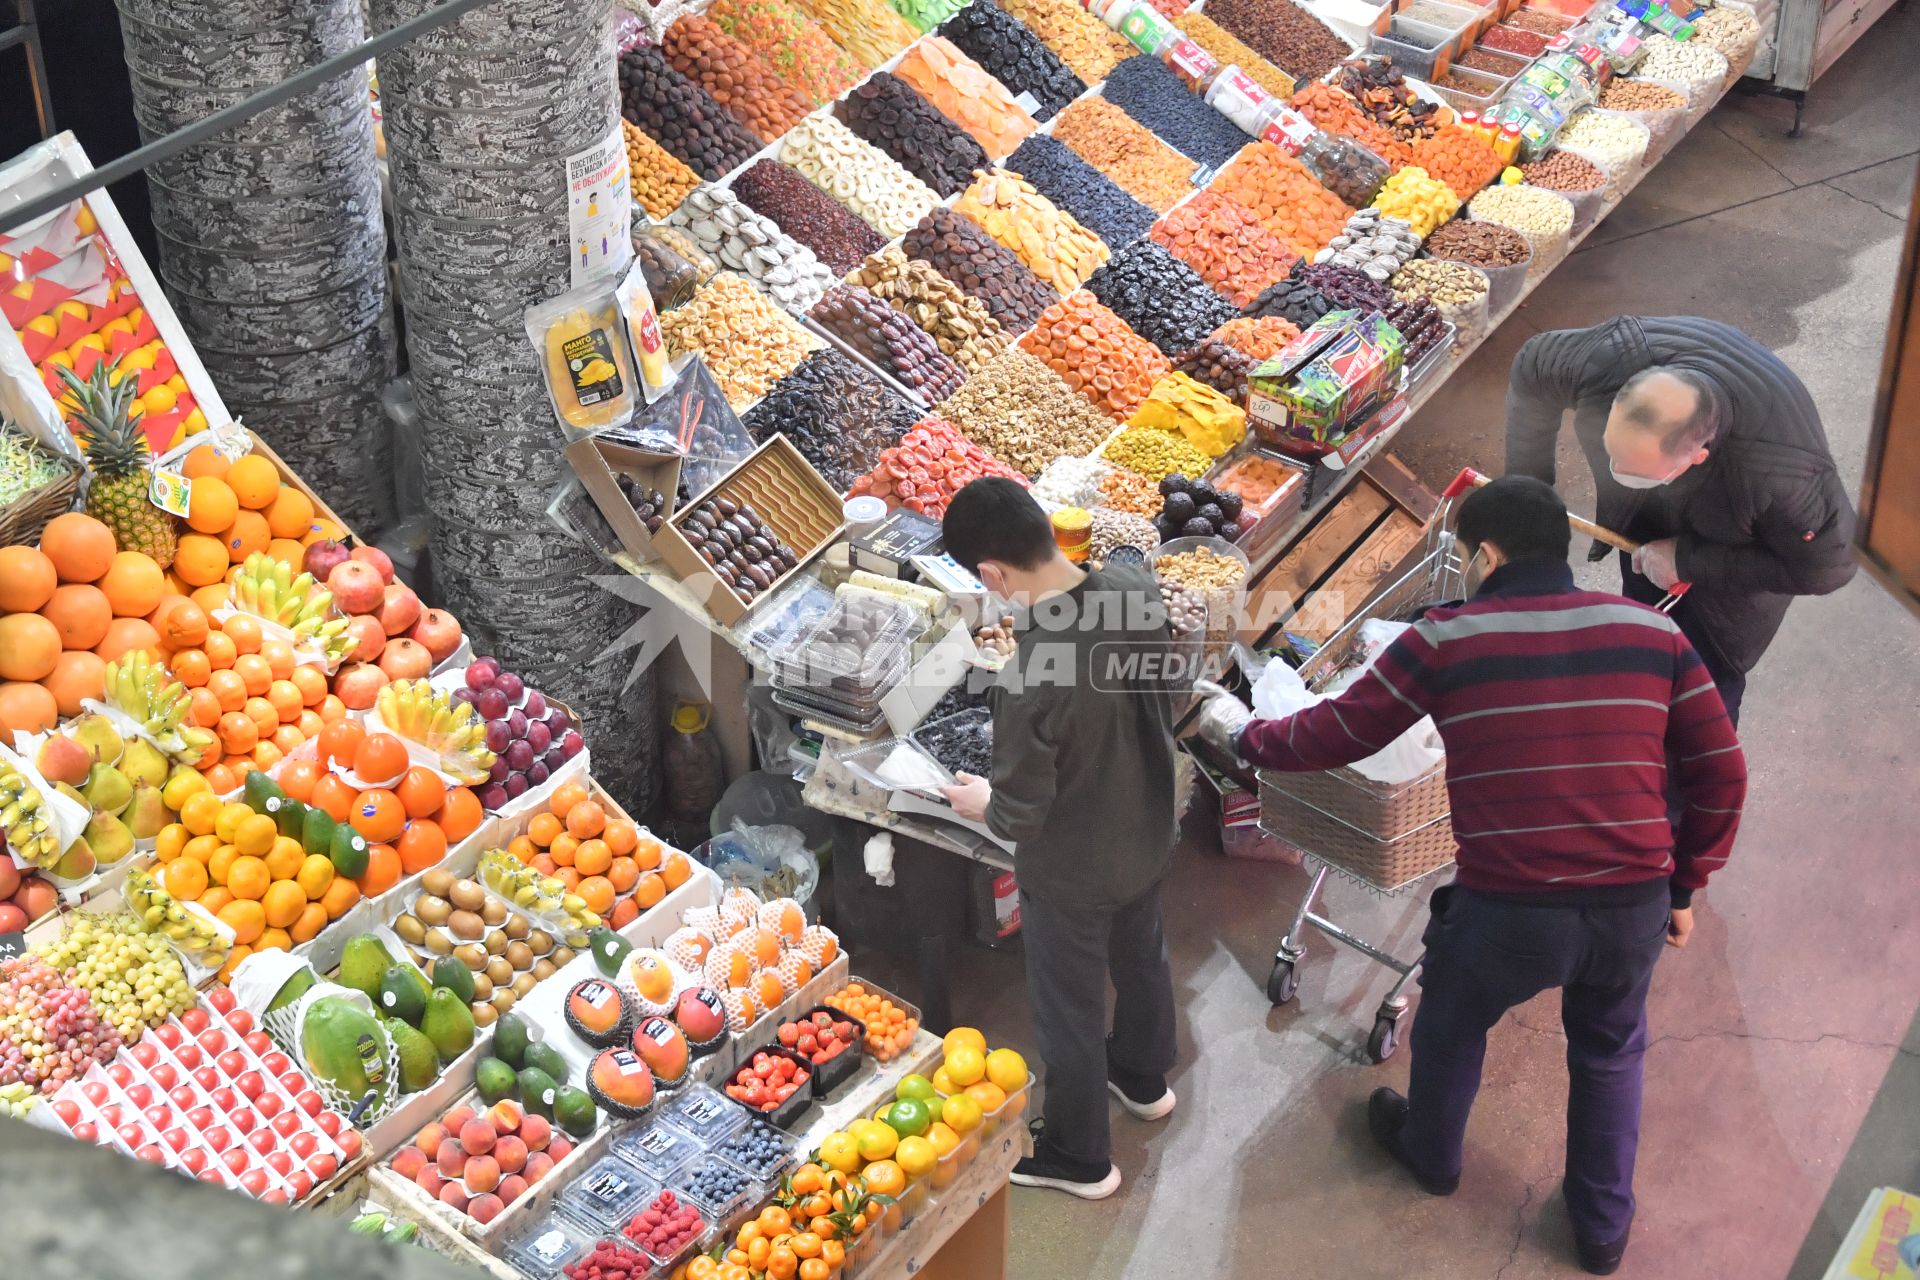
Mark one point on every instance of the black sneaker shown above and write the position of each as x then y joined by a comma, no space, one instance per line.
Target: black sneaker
1386,1117
1047,1170
1601,1259
1144,1097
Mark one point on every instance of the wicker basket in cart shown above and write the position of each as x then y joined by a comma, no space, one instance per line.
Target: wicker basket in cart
22,521
1386,834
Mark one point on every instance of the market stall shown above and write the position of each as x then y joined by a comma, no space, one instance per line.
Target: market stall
321,906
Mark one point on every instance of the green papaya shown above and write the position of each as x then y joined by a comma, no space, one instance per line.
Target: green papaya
346,1047
455,977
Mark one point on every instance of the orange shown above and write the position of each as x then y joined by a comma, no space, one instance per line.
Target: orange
315,876
247,877
283,903
27,579
204,708
309,724
340,895
198,813
279,656
201,561
565,796
222,652
246,919
252,669
521,848
624,913
215,898
211,505
228,689
650,890
237,732
182,623
320,529
124,635
217,774
332,709
460,814
542,829
421,792
378,815
285,858
311,682
291,513
76,674
285,550
78,611
190,667
586,819
568,877
239,952
273,940
79,546
287,739
339,741
172,839
284,695
380,758
244,630
621,835
313,918
597,893
210,597
383,870
884,1178
134,584
676,870
265,755
333,797
297,779
184,878
592,858
204,460
646,852
246,536
254,482
562,850
422,845
27,707
263,715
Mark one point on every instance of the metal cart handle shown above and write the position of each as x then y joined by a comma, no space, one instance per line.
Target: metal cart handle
1471,479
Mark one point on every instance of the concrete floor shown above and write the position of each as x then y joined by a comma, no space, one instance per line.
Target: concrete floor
1776,1029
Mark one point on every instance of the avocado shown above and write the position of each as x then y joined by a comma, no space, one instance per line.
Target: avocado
363,964
288,814
259,791
348,852
419,1065
609,949
545,1058
455,977
400,995
537,1092
510,1036
494,1080
316,831
448,1022
573,1111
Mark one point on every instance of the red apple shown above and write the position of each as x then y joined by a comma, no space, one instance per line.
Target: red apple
404,659
244,1120
359,686
68,1110
146,1054
322,557
259,1041
238,1160
269,1104
131,1136
95,1092
357,586
256,1183
151,1153
159,1116
369,638
140,1095
439,631
232,1062
321,1166
213,1040
380,560
399,608
310,1102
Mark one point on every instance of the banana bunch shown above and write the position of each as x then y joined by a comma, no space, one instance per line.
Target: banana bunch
193,934
25,820
535,894
139,687
266,588
415,709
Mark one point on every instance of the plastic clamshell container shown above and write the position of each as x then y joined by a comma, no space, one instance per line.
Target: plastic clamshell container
716,1213
861,644
788,1113
919,737
704,1114
1008,1112
656,1150
548,1245
866,763
733,1151
1434,357
911,1010
607,1195
836,1071
1482,91
1411,58
664,1263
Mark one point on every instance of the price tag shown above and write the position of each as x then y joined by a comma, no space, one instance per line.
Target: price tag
12,944
169,492
1203,175
1027,103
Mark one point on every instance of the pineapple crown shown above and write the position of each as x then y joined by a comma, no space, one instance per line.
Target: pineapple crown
103,414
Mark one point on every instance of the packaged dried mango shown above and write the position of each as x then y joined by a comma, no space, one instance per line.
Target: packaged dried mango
643,333
584,355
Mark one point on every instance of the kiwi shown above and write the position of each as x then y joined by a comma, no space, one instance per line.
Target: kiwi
560,956
438,943
473,955
519,955
516,927
482,987
437,881
541,941
466,895
523,984
499,970
544,969
502,1001
495,942
431,909
484,1014
411,931
494,912
465,924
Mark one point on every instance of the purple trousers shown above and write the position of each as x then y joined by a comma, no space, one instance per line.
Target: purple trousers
1487,955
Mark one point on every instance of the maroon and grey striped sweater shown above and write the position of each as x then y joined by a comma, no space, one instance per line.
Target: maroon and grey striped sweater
1561,710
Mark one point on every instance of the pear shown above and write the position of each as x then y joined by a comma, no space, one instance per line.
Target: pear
107,789
109,838
102,741
76,863
71,792
63,760
147,812
143,764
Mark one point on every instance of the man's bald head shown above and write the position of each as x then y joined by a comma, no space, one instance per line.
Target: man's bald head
1662,422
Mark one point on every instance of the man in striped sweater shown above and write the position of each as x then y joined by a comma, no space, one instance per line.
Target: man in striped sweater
1564,712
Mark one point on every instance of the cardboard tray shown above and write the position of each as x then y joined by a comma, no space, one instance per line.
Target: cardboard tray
788,493
599,463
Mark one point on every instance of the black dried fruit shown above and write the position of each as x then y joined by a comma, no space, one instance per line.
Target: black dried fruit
1212,514
1175,483
1162,298
1230,504
1197,528
1078,188
1152,93
1180,508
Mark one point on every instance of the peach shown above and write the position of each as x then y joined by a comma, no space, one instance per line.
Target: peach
505,1116
453,1195
482,1173
429,1139
382,563
357,586
439,631
557,1149
511,1154
511,1188
456,1119
369,638
399,608
539,1165
485,1208
536,1132
451,1158
402,659
477,1137
409,1162
429,1180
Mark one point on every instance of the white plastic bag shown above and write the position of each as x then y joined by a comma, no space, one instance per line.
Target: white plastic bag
1279,691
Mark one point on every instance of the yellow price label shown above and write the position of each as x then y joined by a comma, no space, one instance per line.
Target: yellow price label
170,491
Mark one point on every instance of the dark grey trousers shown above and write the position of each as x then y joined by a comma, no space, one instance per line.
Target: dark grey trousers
1071,952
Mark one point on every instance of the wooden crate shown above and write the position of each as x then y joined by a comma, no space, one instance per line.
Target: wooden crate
291,478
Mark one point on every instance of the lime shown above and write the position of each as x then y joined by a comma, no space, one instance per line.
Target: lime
915,1086
909,1117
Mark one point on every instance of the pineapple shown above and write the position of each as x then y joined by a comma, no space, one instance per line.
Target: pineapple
117,451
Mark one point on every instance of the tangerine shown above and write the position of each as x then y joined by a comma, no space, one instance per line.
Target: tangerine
265,718
542,829
254,835
284,696
315,876
183,624
676,870
313,918
340,895
247,878
201,561
199,812
283,903
222,652
238,733
279,656
285,858
244,630
592,858
246,918
184,878
597,893
311,682
228,689
650,891
124,635
190,667
460,814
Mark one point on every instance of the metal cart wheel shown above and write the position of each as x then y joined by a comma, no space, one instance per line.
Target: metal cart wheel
1282,982
1384,1040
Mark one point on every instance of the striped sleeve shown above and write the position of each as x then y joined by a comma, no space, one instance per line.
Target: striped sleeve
1709,772
1386,701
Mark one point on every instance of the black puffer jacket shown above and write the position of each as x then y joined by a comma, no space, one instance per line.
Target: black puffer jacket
1764,519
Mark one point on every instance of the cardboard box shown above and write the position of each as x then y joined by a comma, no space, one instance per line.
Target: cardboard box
599,464
1309,397
945,664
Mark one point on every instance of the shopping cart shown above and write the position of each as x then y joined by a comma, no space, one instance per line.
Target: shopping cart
1390,839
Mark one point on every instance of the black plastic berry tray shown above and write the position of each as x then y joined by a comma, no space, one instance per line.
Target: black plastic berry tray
830,1075
784,1115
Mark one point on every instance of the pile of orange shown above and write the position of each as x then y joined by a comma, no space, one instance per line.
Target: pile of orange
66,610
265,886
233,510
409,822
617,868
246,688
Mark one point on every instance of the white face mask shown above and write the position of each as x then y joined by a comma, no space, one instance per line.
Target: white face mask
1471,582
1642,482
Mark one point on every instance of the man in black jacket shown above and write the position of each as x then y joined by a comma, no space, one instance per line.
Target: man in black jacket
1708,449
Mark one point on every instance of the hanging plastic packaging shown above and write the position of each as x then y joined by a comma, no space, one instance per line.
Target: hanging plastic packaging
583,355
643,333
